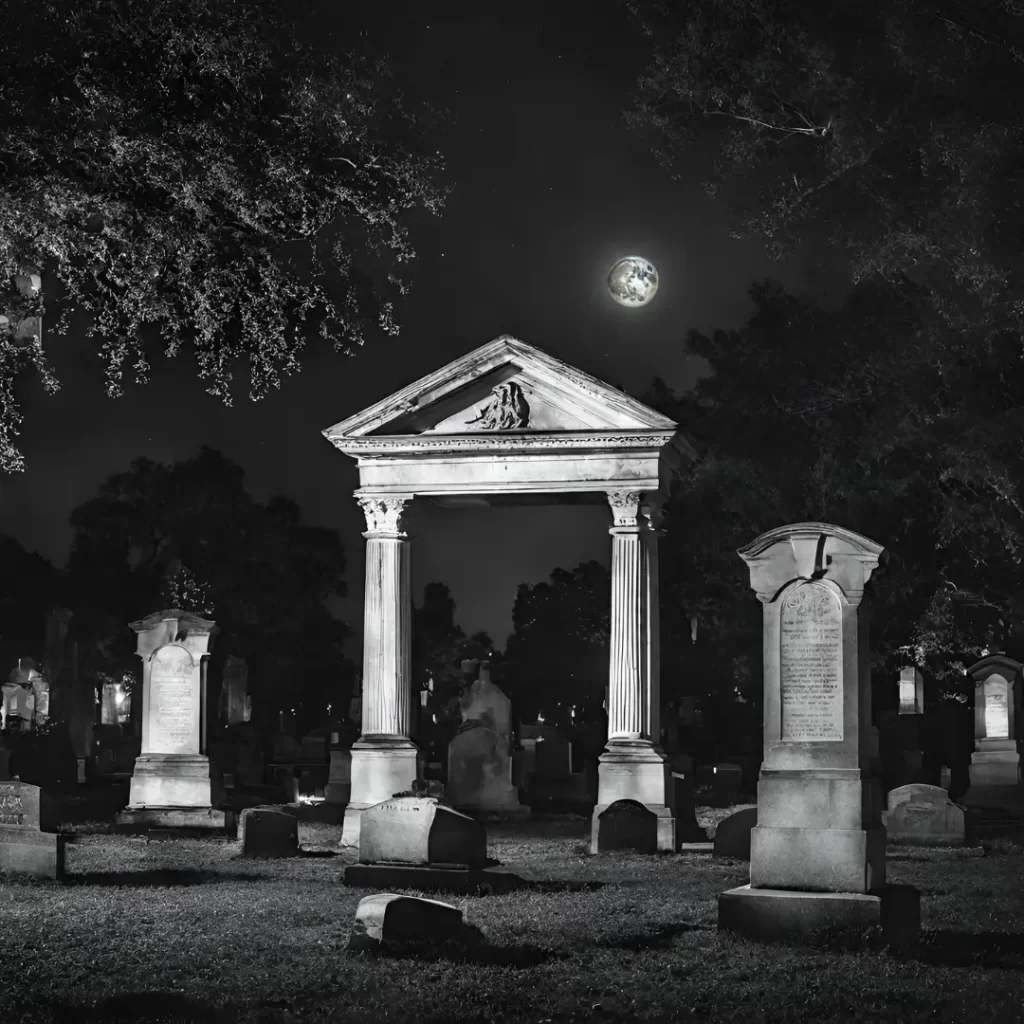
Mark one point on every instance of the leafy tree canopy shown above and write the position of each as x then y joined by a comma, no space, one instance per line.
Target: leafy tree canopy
893,128
192,527
557,655
208,167
32,586
838,416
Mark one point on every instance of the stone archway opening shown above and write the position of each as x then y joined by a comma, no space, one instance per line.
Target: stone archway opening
509,424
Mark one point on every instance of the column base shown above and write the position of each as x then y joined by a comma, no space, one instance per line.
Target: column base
776,914
381,767
636,770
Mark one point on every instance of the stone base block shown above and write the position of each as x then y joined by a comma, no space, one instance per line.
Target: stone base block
665,828
823,859
36,854
338,792
1004,797
788,915
381,767
520,812
142,818
171,780
464,879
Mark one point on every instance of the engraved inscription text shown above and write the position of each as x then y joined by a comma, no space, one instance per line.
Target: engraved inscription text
811,665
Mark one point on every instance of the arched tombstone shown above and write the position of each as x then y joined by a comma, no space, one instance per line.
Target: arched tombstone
819,827
995,770
627,825
732,837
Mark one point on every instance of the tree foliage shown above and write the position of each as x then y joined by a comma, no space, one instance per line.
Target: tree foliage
835,416
267,574
894,128
201,166
557,655
32,586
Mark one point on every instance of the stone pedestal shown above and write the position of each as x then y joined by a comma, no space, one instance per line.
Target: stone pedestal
995,770
633,766
171,783
339,781
819,804
384,758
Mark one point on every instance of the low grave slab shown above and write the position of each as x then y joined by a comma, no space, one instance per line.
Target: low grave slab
388,918
29,841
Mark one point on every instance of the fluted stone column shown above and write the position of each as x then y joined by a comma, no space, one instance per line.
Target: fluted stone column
633,766
384,757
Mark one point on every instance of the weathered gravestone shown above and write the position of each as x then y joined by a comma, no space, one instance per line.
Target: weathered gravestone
732,837
997,786
690,835
817,853
29,841
727,785
480,753
339,782
268,832
172,784
920,815
420,843
627,825
387,918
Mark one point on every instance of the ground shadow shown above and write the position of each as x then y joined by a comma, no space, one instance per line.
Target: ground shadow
143,1008
470,947
653,940
155,878
549,885
990,950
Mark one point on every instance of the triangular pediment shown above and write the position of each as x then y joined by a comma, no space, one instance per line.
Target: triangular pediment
503,387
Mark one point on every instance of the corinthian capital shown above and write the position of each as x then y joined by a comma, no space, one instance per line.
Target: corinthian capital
635,509
384,515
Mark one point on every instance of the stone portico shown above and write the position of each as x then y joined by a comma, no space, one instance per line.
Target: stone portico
509,424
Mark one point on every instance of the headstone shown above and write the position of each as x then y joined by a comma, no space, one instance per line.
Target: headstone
995,770
920,815
29,841
480,753
235,704
550,752
819,802
732,838
339,782
728,784
911,691
628,825
688,831
388,918
419,830
480,772
268,832
172,779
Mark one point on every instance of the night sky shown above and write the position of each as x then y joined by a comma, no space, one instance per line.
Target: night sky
550,189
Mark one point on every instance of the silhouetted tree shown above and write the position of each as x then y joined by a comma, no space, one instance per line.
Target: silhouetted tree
267,575
557,655
833,415
32,586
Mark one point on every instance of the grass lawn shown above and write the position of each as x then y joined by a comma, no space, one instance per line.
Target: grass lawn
184,930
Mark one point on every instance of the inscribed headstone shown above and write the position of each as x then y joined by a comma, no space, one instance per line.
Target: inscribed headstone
419,830
174,696
29,842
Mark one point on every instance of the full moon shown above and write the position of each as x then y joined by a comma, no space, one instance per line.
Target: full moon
633,281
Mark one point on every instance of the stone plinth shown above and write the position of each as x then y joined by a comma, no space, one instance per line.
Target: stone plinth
921,815
172,778
781,915
819,827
